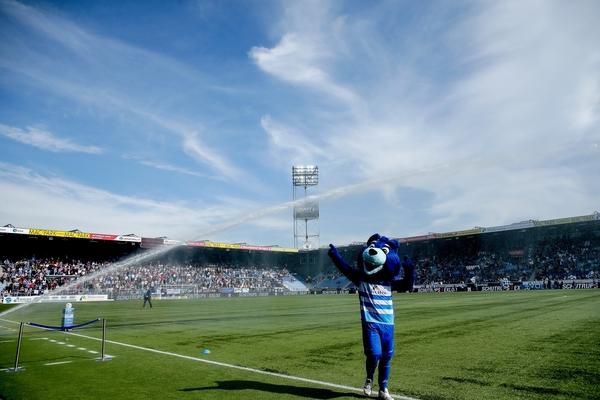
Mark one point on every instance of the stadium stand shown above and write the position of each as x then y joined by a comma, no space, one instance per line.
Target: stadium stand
549,254
292,284
37,277
339,282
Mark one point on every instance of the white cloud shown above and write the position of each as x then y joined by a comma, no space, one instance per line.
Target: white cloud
109,78
94,48
45,140
289,145
497,126
193,146
298,60
32,199
169,167
493,113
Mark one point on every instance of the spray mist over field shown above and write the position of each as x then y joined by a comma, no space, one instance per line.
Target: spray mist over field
573,150
151,254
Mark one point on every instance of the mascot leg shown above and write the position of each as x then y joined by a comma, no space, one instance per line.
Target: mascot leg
371,365
372,348
387,351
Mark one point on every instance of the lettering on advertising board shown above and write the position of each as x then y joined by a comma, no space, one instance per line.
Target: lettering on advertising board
239,246
118,238
68,234
20,231
102,236
54,298
129,238
220,245
491,288
284,249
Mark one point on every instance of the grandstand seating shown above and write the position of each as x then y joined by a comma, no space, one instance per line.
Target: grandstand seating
294,285
548,253
340,282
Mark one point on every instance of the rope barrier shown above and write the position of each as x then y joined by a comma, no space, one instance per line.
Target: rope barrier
62,328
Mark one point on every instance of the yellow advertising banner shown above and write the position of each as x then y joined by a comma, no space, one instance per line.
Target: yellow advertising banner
284,249
220,245
67,234
236,246
466,232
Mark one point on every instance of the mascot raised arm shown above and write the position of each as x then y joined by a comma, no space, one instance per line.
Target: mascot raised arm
378,268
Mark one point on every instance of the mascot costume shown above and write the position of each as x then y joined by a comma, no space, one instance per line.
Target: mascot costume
377,274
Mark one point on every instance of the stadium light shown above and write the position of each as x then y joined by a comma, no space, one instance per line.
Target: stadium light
305,175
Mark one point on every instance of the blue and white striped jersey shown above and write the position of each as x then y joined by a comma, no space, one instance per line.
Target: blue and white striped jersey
376,303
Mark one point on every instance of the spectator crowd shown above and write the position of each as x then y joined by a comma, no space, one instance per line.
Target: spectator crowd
36,277
549,261
466,262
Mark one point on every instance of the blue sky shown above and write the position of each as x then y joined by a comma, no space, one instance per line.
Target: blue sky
184,118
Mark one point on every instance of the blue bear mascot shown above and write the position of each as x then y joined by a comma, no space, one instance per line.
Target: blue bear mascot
378,268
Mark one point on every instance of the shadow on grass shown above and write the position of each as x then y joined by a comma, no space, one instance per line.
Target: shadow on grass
310,393
540,390
466,380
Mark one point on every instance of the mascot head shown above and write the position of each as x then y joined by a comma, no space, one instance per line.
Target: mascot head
380,255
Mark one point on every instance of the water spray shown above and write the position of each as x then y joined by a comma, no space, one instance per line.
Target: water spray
246,217
335,193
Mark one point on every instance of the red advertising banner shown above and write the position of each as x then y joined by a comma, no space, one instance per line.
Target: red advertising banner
102,236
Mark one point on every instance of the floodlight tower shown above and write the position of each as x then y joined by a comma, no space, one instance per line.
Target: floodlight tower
307,210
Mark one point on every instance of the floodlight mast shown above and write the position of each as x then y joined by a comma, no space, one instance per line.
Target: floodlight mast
305,176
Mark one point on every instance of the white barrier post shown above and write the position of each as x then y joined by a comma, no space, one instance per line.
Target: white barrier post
19,340
102,352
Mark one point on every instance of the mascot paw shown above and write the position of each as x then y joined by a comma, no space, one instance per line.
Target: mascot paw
332,250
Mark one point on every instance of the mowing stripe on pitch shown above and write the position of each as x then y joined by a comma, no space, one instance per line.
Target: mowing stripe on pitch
232,366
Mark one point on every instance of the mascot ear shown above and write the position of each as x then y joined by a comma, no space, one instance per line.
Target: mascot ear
394,244
374,237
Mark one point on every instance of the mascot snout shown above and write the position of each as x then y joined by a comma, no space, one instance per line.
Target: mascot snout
373,258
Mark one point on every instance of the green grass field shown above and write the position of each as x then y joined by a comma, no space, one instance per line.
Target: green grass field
507,345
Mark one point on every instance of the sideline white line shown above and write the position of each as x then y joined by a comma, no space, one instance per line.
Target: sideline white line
58,363
6,341
6,327
232,366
